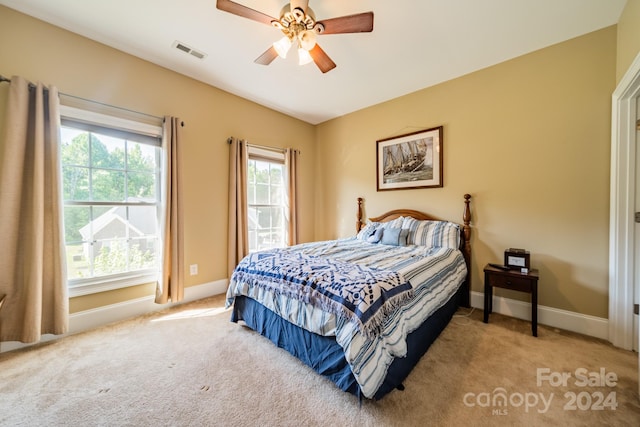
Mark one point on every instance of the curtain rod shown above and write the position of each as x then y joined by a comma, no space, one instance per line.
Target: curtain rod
8,80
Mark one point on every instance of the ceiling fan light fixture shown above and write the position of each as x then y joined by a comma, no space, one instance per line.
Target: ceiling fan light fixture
282,46
307,39
297,22
303,56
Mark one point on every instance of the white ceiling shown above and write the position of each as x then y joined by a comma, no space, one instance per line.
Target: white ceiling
414,43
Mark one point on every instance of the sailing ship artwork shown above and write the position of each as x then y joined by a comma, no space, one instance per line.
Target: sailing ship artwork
410,161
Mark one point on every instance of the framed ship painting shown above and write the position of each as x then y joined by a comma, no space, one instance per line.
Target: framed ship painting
412,160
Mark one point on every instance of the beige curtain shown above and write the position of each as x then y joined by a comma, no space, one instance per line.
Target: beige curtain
238,239
170,286
291,161
32,260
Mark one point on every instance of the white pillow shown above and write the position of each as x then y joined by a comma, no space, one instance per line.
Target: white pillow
441,234
395,223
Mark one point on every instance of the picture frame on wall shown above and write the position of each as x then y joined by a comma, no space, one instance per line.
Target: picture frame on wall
412,160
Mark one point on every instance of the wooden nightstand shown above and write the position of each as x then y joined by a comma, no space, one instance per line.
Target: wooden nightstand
514,280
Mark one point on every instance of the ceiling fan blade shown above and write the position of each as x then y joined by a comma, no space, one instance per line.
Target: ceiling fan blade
358,23
267,57
321,59
244,11
300,4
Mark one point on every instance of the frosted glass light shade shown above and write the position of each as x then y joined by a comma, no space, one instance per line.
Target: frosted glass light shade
282,46
304,57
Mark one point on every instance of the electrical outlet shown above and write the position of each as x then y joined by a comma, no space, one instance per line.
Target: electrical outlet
193,269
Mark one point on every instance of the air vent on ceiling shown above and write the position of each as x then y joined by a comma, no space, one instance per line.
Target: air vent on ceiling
183,47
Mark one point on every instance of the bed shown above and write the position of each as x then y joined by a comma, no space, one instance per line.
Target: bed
362,310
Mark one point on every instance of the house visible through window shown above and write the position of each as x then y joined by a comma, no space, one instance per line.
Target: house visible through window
267,199
111,190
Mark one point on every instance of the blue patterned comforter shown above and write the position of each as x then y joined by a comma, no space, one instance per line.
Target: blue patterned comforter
371,316
357,293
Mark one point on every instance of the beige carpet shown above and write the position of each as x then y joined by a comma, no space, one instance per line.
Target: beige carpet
189,366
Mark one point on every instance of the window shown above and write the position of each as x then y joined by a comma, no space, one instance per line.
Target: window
111,172
266,199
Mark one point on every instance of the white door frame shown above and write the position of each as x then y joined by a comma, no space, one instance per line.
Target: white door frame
622,205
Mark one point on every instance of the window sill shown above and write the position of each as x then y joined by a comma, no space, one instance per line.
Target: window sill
80,287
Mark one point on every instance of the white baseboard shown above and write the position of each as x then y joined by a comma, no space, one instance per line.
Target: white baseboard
90,319
597,327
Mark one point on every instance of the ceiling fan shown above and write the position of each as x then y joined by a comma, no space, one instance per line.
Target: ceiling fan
299,26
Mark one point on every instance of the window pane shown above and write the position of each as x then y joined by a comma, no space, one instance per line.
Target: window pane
277,237
107,185
110,224
252,215
110,257
76,224
78,261
276,195
97,211
251,194
262,172
142,221
75,182
107,151
141,186
251,172
277,172
75,147
142,253
277,217
141,156
262,194
264,240
264,218
253,240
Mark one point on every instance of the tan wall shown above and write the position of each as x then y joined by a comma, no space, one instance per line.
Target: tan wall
529,139
81,67
628,37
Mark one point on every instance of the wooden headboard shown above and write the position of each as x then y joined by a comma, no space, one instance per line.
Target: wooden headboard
465,238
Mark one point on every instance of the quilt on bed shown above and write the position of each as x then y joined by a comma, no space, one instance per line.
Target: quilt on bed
414,282
354,292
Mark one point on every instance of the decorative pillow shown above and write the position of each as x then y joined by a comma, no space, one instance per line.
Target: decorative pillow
367,231
394,236
376,236
441,234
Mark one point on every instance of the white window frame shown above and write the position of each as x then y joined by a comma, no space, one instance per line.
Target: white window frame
78,287
273,155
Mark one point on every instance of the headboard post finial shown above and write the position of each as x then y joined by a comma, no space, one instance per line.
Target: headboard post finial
466,216
466,228
359,221
466,250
